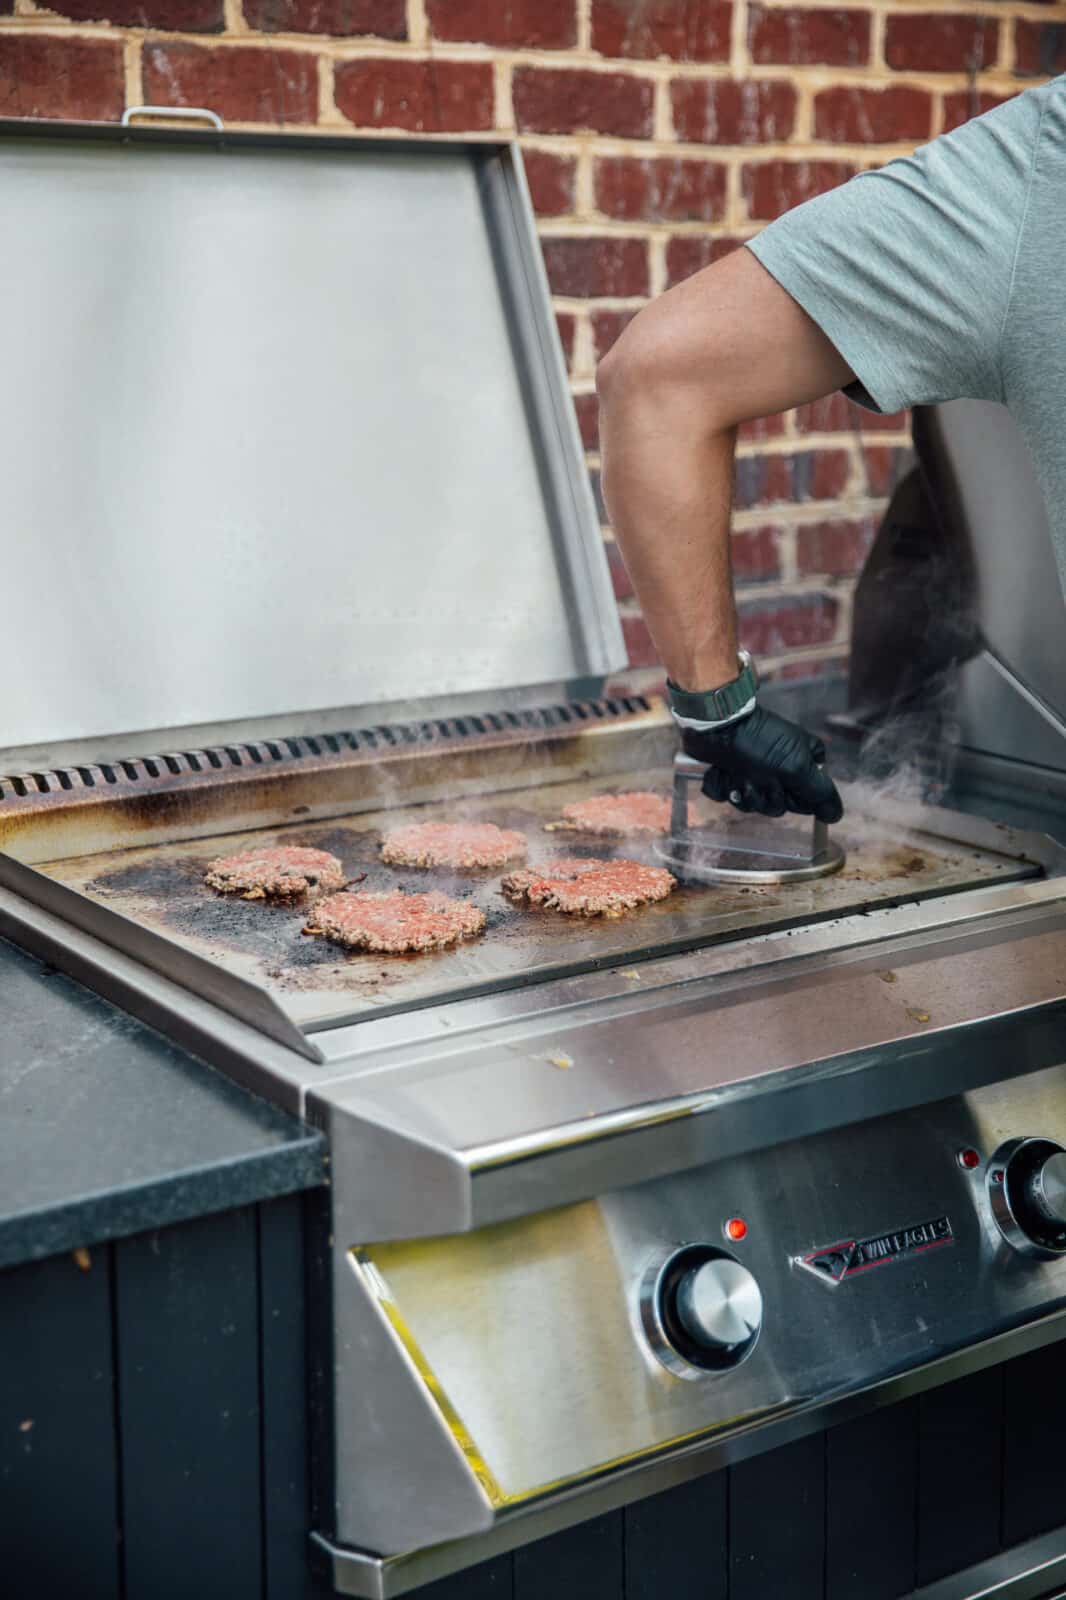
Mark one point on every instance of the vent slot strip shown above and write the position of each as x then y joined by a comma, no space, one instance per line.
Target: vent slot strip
146,771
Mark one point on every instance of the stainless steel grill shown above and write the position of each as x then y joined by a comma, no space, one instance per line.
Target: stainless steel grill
611,1201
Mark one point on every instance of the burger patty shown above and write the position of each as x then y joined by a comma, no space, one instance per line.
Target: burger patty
584,887
395,922
278,872
452,844
639,811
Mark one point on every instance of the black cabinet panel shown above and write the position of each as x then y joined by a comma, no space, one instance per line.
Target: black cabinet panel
58,1512
960,1478
582,1563
871,1496
676,1543
188,1384
1034,1419
777,1524
286,1476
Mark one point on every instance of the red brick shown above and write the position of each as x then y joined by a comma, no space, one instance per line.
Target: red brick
808,38
762,480
606,328
683,30
566,322
417,96
342,19
961,105
723,111
758,428
771,187
755,555
834,549
663,189
1040,47
940,43
588,420
181,16
692,253
768,629
837,414
827,477
523,24
873,116
804,475
551,182
884,467
42,76
642,653
622,582
598,266
247,84
557,100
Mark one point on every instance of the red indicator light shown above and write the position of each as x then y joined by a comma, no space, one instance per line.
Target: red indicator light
969,1159
997,1176
736,1229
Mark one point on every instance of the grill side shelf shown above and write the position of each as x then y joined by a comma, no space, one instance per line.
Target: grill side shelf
231,993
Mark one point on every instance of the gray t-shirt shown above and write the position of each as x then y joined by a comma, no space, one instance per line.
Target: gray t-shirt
940,276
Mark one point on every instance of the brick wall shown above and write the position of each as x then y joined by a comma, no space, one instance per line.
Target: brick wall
657,133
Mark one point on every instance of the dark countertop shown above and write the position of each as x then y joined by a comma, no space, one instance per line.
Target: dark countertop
106,1128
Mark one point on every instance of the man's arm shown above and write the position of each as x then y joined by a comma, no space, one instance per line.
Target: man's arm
727,345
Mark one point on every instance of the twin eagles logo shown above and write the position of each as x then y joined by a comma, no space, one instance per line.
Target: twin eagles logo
835,1262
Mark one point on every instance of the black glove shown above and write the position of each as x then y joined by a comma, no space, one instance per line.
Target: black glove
764,763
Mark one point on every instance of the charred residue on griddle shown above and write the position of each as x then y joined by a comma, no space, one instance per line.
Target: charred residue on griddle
162,887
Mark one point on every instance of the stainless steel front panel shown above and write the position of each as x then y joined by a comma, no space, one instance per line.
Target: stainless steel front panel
283,427
526,1344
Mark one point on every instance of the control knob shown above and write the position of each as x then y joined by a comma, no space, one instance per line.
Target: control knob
719,1305
702,1310
1027,1195
1047,1189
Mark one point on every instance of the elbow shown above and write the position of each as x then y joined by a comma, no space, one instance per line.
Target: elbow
628,371
652,374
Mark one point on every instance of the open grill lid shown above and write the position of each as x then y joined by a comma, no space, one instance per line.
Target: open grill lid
284,431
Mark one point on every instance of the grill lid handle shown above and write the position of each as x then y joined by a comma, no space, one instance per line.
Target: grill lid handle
181,113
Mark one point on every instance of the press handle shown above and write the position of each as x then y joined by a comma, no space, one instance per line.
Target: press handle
180,113
687,769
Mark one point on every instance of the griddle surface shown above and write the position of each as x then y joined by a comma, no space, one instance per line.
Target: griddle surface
320,985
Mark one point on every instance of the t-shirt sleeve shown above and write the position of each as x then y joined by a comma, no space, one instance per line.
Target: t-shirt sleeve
908,269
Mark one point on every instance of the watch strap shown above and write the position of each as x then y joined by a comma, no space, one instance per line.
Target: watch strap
716,705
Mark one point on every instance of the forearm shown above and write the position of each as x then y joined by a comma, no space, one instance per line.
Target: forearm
668,490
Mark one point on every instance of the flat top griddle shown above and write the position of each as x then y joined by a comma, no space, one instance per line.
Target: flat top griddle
318,985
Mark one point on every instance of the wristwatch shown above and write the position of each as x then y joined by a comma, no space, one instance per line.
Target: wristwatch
717,705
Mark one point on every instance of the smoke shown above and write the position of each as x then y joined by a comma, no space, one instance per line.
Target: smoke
905,764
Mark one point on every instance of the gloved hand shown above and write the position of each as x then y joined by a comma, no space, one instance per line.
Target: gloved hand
767,764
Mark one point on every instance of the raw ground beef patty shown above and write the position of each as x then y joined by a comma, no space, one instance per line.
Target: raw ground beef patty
639,811
279,872
585,887
452,844
395,922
